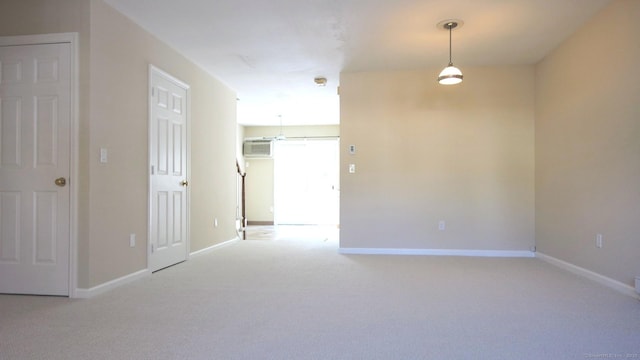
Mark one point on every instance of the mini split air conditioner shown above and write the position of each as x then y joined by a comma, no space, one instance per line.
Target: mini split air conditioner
258,148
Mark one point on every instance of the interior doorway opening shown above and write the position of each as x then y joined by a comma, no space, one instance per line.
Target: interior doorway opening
307,182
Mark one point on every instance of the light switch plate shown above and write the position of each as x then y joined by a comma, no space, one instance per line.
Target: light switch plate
104,155
442,225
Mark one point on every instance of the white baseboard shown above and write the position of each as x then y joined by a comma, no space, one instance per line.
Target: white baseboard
109,285
609,282
438,252
214,247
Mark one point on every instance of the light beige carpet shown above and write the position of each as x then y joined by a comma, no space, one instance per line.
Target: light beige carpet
292,232
300,299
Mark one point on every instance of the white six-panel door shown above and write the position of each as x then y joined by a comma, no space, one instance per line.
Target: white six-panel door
168,154
35,120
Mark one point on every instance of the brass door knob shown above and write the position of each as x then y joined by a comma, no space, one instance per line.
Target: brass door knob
61,181
184,183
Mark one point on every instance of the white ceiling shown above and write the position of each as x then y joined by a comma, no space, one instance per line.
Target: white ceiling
270,51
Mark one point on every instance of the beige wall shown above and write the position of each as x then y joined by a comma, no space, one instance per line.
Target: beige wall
115,55
425,152
29,17
120,55
260,175
239,139
588,145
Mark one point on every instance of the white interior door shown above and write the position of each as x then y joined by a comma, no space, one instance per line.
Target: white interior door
306,182
35,121
168,183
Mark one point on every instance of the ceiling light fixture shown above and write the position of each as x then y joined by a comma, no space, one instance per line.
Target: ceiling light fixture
281,134
451,75
320,81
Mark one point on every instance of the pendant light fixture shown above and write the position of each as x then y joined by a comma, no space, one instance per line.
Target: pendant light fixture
451,75
281,134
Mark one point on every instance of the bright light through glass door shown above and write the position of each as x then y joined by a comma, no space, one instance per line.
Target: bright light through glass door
307,182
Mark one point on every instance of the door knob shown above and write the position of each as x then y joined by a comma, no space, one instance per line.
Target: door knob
184,183
61,181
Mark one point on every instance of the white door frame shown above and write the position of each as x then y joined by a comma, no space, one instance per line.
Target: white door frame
155,70
72,40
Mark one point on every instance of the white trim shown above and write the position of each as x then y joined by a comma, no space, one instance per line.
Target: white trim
74,143
149,155
75,161
39,39
601,279
214,247
110,285
437,252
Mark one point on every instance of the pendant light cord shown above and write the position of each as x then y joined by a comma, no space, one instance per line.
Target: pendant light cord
450,25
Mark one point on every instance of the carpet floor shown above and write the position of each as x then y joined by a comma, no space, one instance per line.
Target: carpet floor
298,298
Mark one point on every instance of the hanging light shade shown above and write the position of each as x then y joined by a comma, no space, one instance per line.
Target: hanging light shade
451,75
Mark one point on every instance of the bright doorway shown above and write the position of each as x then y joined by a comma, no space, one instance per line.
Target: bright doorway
306,182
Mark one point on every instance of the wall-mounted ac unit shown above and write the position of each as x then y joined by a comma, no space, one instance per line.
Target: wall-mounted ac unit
258,148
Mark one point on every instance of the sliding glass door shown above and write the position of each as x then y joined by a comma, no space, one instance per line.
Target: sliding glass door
307,182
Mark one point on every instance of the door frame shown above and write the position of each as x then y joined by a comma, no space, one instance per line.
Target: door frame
72,40
156,70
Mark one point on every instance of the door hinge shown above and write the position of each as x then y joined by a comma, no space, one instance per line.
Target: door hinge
153,248
152,170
